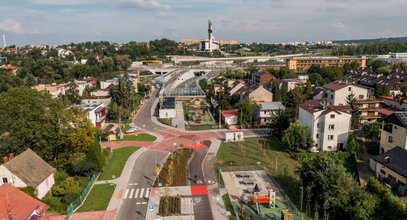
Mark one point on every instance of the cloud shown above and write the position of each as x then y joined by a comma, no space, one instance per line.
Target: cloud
142,4
337,25
61,2
13,26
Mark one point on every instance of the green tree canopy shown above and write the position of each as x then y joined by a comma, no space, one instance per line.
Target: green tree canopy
297,137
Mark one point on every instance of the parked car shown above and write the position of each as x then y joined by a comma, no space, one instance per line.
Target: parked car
131,130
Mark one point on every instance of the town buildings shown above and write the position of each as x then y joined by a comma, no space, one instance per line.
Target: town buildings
304,63
393,132
337,92
262,77
268,109
255,92
167,108
328,126
230,117
96,113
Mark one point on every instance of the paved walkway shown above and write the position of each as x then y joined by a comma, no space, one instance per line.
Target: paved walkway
179,121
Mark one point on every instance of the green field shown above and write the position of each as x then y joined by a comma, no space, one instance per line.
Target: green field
259,153
98,198
139,137
115,165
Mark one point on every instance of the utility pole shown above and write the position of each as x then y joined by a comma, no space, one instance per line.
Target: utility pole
302,196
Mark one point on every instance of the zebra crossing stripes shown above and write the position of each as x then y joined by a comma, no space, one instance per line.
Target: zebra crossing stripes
138,193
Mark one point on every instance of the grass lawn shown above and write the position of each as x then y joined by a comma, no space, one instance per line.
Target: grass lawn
126,127
98,198
115,165
270,153
139,137
165,121
229,206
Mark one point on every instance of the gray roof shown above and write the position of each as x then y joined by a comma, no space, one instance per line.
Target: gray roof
395,159
271,106
168,103
30,168
397,118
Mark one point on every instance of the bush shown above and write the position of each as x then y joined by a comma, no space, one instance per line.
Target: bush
83,167
69,198
30,191
54,203
69,185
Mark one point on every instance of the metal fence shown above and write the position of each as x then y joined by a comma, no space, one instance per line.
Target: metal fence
78,202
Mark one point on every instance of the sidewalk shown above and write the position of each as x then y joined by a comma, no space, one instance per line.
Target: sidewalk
178,121
215,195
122,181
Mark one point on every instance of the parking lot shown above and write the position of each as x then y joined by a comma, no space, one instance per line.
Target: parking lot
240,184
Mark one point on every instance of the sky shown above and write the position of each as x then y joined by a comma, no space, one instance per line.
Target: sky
31,22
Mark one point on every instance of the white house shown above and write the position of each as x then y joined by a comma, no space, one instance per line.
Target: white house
336,92
28,169
328,125
167,108
96,113
230,117
268,109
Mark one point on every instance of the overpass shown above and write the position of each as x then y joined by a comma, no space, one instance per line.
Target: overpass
179,59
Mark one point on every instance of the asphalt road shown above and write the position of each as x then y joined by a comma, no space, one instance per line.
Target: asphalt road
135,196
143,118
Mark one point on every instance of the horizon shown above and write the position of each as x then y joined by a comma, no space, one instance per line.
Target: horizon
60,22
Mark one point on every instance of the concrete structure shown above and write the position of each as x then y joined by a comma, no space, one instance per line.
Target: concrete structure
168,108
391,165
230,117
255,93
28,169
16,205
105,100
210,44
234,87
393,132
55,90
337,92
100,93
234,136
290,84
268,109
262,77
304,63
369,109
328,125
96,113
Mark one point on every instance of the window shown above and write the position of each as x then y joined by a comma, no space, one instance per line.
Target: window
330,137
390,139
330,147
350,88
332,96
317,135
317,125
265,112
5,180
331,127
361,96
383,172
333,116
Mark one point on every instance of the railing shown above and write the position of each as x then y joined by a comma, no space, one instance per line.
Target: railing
78,202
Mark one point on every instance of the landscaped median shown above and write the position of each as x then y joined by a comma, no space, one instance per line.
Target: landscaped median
115,165
98,198
138,137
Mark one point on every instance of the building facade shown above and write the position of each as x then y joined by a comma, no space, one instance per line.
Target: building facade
268,109
337,92
393,132
304,63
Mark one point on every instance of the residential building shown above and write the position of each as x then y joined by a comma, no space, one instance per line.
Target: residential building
268,109
391,168
12,68
234,87
96,113
100,93
304,63
55,90
327,125
28,169
97,100
317,93
17,205
290,84
256,93
231,117
218,88
262,77
337,92
168,108
395,104
108,83
369,109
393,132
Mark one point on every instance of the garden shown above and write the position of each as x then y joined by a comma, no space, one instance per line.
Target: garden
197,115
138,137
170,205
174,172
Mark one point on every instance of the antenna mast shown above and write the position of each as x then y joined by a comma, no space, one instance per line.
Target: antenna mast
4,41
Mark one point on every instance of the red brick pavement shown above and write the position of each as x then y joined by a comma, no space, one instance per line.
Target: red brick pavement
98,215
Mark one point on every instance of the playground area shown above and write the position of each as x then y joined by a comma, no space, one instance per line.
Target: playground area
258,196
196,113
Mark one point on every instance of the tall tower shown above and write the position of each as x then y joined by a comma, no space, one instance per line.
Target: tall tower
4,41
210,34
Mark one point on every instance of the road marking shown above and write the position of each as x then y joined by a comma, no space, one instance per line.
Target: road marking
141,193
144,203
135,184
138,203
147,192
136,194
130,184
126,193
131,193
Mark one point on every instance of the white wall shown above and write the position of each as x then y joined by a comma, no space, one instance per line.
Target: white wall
45,186
12,179
231,120
338,97
167,113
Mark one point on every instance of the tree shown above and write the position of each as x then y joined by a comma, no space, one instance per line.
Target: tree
280,121
382,90
122,62
248,109
72,93
372,130
107,64
352,102
29,119
297,137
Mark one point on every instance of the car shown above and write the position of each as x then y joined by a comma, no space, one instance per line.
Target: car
131,130
238,175
246,175
242,182
250,183
147,97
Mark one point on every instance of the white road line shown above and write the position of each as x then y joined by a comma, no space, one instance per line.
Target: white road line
147,192
141,192
130,184
135,184
138,203
136,194
126,193
131,194
144,203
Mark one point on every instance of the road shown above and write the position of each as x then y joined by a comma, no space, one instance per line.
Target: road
135,196
143,117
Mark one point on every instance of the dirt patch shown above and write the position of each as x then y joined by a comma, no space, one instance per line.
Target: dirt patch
174,172
207,143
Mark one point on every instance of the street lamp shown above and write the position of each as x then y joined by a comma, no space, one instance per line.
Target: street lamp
175,146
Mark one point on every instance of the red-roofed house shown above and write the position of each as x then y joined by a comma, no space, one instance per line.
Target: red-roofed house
327,125
10,67
16,205
230,117
337,92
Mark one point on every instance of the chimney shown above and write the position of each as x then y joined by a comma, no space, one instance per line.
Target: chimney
5,159
11,156
387,159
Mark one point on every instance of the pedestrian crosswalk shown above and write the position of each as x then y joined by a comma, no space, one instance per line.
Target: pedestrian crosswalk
138,193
